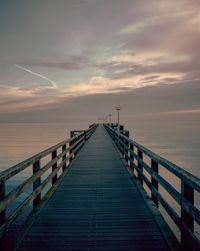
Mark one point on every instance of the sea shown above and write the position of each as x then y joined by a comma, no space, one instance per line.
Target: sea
172,139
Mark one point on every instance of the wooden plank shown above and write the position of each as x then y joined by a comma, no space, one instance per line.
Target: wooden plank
189,212
96,207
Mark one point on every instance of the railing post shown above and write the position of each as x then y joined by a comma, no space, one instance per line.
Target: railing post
126,151
70,150
123,147
114,136
154,166
37,183
121,144
140,155
54,166
2,196
75,145
131,156
188,193
64,157
117,139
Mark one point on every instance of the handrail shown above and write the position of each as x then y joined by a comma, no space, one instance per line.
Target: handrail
189,183
68,148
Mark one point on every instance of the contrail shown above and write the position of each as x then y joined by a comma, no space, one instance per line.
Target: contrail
54,85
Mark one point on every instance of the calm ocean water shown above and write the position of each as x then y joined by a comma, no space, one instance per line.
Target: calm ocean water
19,141
175,138
177,142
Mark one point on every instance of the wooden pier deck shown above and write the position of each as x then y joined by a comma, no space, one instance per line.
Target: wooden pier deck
96,207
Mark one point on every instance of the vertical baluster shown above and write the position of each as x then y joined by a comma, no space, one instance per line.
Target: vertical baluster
37,183
154,166
117,139
188,193
54,155
122,145
140,155
119,142
70,150
131,156
75,144
2,197
64,157
126,151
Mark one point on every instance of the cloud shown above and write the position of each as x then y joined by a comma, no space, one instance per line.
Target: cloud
150,40
171,31
134,46
75,62
101,84
142,102
18,98
180,112
21,103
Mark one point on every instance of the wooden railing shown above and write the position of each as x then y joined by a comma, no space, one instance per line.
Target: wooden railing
135,154
68,149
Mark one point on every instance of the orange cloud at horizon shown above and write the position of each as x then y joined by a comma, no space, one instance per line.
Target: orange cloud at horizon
181,112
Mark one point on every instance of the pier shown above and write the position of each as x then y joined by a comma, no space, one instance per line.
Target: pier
97,200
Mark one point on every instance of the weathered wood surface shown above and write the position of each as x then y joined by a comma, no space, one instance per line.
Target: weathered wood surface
67,154
189,183
96,207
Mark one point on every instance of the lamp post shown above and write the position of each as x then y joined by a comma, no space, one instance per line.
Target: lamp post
118,108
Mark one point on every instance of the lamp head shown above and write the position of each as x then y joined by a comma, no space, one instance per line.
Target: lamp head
118,107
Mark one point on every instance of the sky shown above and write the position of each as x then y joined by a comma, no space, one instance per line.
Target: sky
76,59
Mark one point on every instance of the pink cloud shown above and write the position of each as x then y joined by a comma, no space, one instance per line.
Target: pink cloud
181,111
